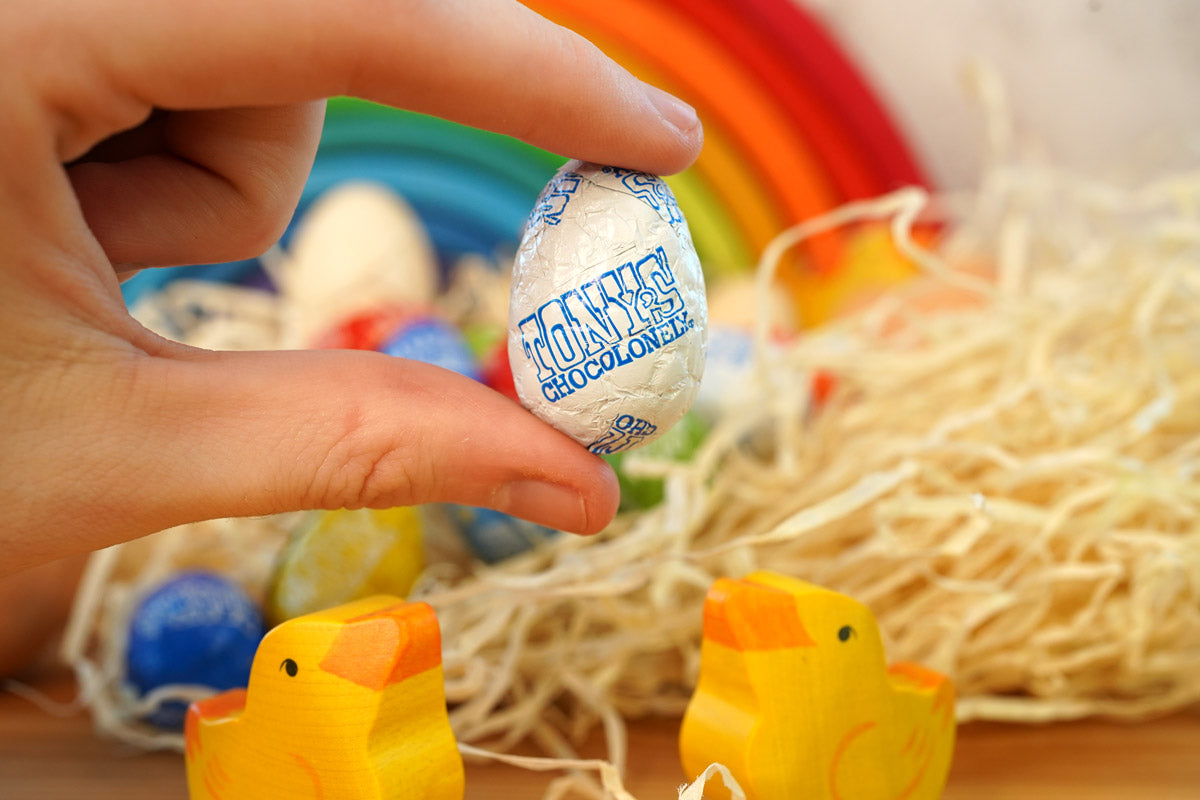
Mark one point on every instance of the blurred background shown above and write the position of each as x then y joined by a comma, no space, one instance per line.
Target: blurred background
1108,87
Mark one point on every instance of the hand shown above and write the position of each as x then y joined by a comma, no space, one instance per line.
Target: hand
109,432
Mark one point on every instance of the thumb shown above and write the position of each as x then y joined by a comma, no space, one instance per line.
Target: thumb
242,434
332,429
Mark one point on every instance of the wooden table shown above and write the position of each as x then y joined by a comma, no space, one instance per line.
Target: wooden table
44,757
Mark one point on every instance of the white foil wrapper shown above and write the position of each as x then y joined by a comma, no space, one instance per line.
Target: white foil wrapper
607,316
359,246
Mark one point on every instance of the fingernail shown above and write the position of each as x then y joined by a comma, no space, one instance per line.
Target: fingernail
547,503
676,112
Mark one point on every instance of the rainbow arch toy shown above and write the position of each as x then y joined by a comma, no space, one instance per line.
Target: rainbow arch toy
791,130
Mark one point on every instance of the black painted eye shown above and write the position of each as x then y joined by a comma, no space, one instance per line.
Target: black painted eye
290,667
844,633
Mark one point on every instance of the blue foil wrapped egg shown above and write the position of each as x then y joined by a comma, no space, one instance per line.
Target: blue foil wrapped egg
494,536
198,628
434,341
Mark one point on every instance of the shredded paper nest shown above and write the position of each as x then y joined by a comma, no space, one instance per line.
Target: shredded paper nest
1008,473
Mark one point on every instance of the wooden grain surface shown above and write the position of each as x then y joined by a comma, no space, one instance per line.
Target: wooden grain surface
46,757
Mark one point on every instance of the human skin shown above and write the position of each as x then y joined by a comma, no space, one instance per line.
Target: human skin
153,134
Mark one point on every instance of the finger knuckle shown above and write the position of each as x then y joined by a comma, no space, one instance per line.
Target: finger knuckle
361,469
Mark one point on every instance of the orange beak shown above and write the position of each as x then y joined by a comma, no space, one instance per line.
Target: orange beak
746,615
386,646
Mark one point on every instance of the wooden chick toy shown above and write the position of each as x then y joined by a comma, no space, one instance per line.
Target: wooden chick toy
795,698
346,703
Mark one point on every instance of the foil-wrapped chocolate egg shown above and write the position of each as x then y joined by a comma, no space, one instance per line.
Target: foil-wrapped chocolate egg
359,245
607,313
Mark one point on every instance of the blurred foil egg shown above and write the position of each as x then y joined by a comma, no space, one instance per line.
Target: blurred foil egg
359,245
197,629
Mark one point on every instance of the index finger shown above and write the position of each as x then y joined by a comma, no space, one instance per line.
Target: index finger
491,64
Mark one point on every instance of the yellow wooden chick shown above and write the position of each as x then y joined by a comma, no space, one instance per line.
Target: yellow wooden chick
343,704
796,699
